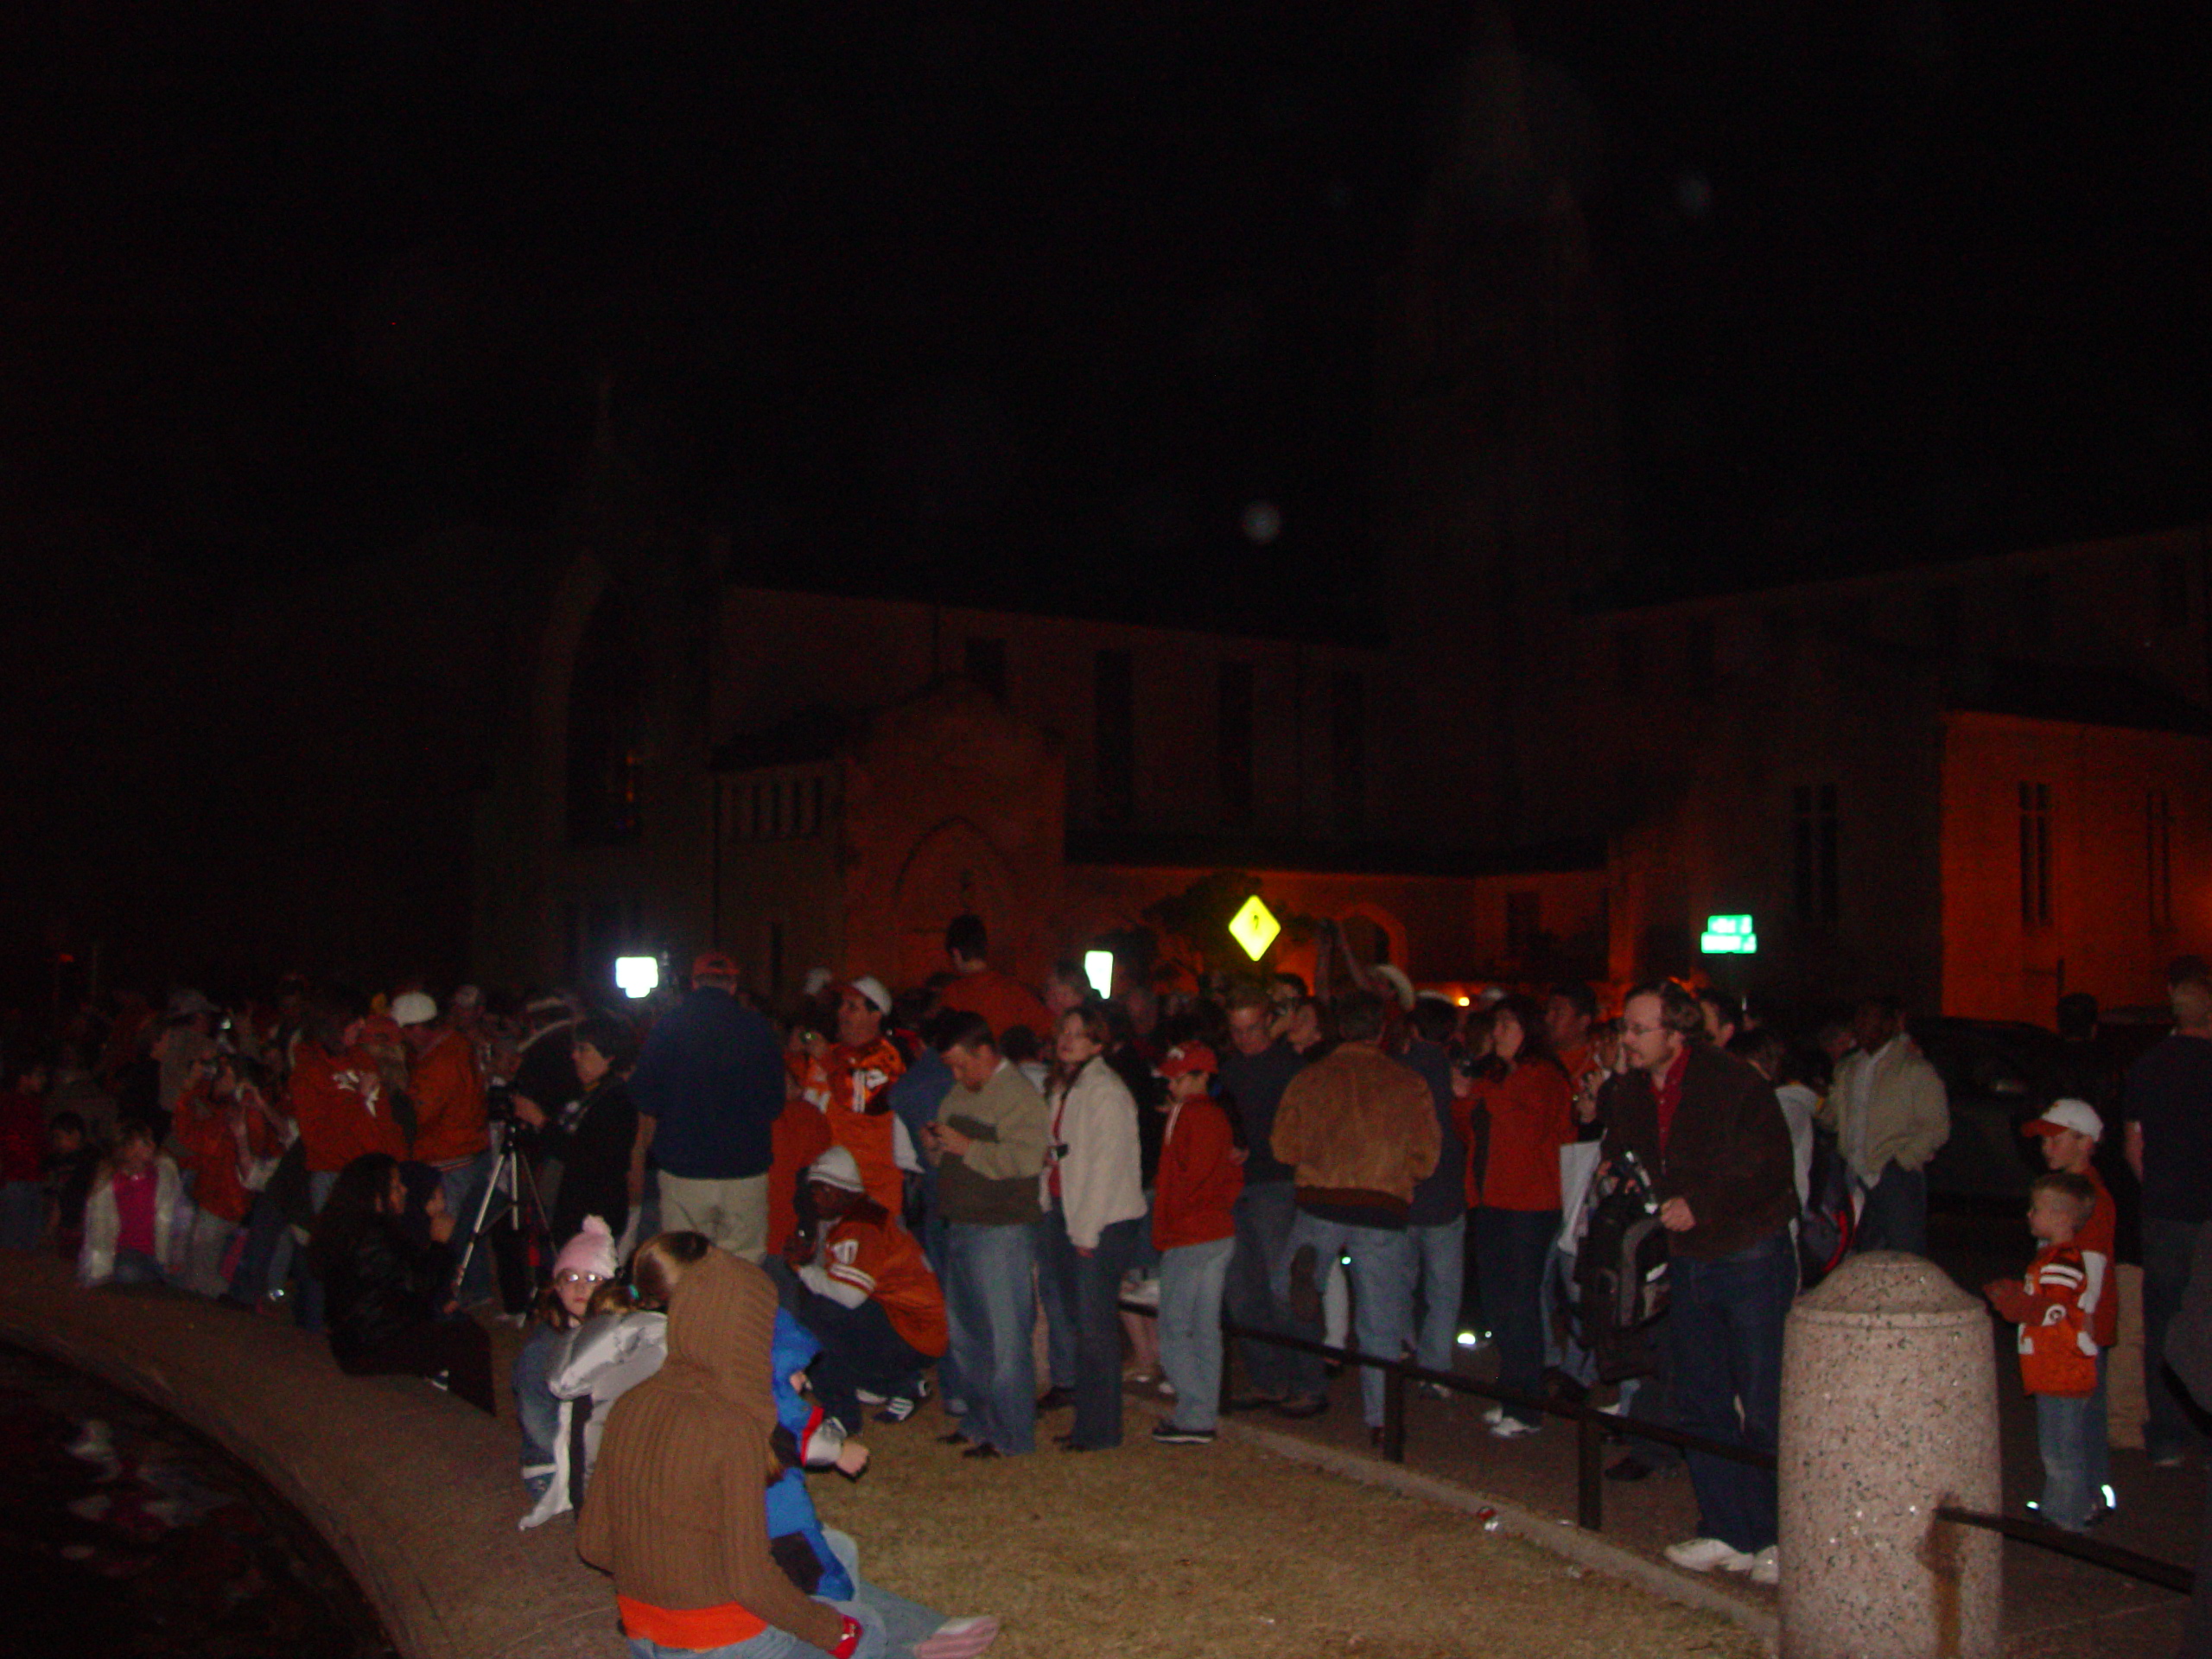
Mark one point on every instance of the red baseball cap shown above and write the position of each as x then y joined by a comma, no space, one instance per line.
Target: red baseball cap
1187,1057
714,964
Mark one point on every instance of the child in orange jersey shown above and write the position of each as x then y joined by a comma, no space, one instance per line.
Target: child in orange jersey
2070,1131
2058,1355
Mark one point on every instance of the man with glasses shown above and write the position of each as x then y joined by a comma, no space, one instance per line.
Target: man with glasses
1709,1134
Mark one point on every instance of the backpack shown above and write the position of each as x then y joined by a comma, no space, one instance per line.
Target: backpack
1825,1228
1620,1272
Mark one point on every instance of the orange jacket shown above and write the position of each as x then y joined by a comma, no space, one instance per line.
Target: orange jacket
448,1101
843,1082
339,1106
209,1150
880,1259
1195,1195
800,1135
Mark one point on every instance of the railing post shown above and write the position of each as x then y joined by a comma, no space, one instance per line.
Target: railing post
1394,1412
1589,1472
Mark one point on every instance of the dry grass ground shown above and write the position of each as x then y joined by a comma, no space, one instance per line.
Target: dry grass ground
1229,1551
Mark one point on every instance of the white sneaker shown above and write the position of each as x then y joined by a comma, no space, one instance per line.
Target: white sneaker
1703,1554
1766,1567
1495,1414
1512,1428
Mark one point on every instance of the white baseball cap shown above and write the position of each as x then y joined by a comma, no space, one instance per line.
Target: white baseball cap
2076,1114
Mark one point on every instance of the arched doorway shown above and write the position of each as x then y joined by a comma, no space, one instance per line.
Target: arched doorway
953,868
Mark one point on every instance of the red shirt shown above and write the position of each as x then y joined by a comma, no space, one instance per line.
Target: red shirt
800,1135
1531,1117
1000,998
2052,1356
1666,1095
135,1197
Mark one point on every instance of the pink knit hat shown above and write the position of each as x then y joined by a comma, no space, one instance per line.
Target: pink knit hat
591,1250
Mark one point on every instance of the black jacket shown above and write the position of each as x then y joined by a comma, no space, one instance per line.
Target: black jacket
593,1142
1728,1155
383,1287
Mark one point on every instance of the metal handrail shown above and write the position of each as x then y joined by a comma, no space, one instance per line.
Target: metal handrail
1592,1426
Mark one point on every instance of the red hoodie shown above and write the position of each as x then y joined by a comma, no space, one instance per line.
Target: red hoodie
1194,1198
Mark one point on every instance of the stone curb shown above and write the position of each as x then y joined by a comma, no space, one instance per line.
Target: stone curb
415,1491
1585,1549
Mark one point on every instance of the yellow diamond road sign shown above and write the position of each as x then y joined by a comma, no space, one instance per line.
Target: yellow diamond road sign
1254,928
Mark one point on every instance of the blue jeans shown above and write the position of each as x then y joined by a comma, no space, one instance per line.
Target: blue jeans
1723,1347
310,1311
2168,1247
1060,1307
2064,1428
1441,1266
1895,1214
463,1185
536,1409
1382,1289
1509,1249
1265,1215
1092,1284
1191,1279
989,1306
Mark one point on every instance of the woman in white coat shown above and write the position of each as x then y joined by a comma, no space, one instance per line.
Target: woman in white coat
1094,1192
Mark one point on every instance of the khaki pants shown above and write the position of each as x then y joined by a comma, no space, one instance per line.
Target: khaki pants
2126,1407
733,1213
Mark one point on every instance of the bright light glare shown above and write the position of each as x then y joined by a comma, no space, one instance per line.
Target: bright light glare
1098,969
639,976
1469,1339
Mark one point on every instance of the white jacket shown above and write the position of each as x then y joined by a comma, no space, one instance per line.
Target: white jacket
172,1223
1094,1142
600,1361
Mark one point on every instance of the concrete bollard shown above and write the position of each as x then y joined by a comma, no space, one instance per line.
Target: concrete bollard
1889,1407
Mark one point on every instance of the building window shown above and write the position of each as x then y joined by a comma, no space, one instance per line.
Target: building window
2035,856
1814,889
785,807
1348,750
1235,730
1524,922
606,702
1114,739
2158,857
986,664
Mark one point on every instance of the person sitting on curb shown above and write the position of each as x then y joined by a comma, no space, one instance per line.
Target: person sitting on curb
863,1290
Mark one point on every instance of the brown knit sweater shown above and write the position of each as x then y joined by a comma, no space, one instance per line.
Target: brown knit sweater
677,1505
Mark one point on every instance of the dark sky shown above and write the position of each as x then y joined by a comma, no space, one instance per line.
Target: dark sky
1049,296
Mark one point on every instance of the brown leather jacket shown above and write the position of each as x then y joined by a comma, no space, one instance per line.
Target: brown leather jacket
1358,1127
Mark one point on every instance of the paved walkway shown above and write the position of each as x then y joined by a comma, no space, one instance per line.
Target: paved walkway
2054,1608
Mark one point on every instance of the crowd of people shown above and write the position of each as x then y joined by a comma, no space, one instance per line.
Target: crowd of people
871,1195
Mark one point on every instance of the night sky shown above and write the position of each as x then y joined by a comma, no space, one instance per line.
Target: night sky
1050,296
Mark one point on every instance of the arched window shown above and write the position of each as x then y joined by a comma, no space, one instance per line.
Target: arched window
606,702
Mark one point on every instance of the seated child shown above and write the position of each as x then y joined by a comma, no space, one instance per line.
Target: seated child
71,1161
586,1263
2058,1355
135,1216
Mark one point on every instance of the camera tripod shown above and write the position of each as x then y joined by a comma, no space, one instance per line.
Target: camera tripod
511,1203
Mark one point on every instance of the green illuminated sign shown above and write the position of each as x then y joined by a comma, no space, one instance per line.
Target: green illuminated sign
1729,935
